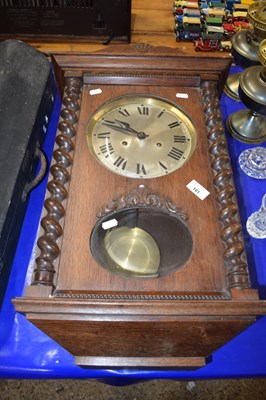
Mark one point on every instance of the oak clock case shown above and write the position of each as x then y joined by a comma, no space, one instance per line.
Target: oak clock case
115,184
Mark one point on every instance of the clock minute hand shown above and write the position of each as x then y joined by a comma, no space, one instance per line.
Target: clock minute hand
127,127
124,127
121,127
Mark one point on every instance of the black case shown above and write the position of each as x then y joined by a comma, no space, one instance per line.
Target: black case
27,94
93,20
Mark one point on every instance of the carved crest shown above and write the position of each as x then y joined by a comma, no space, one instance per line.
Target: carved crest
142,197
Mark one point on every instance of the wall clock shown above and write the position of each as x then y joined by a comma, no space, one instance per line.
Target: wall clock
133,269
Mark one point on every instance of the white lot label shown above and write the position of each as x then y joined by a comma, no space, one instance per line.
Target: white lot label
109,224
181,95
93,92
198,189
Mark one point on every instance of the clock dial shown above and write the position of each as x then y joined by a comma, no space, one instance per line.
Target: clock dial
140,136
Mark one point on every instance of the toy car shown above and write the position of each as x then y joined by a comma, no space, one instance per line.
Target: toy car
189,29
214,21
226,45
209,42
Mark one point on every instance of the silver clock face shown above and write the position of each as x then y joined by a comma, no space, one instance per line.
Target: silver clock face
141,136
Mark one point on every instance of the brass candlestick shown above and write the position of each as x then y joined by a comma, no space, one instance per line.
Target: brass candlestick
250,125
245,46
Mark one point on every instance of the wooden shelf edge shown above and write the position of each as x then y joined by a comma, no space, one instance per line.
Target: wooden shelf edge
74,308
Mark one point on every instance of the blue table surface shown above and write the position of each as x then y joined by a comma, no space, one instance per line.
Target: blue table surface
26,352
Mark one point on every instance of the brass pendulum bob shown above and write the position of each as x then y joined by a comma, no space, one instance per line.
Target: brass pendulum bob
245,46
250,125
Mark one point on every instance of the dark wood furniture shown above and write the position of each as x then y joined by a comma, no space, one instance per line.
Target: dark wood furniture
175,321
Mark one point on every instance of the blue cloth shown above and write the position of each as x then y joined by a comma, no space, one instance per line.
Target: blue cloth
26,352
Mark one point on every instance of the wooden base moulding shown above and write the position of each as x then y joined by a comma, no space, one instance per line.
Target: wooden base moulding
106,320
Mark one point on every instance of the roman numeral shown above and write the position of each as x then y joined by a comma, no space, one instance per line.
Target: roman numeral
107,148
162,165
160,114
141,169
179,139
143,110
124,112
120,162
174,124
104,135
175,153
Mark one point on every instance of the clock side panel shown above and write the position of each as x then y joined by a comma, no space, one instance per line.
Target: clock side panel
92,186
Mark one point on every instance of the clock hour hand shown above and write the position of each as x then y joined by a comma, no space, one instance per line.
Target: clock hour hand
124,127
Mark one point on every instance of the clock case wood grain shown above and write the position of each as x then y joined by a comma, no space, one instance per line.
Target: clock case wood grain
104,320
